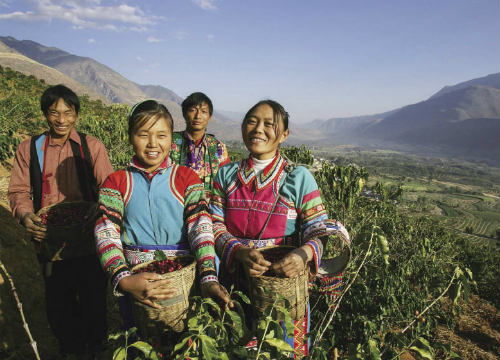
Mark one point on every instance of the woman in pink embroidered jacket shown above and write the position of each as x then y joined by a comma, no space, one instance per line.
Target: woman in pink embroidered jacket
246,193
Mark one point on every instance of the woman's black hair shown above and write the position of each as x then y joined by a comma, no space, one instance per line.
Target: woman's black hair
54,93
195,99
278,113
142,112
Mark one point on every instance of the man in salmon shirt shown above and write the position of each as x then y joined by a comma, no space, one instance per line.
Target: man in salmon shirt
63,165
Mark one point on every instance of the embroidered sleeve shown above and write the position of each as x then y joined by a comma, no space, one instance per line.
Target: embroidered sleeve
176,148
311,211
225,243
199,226
224,157
107,229
316,230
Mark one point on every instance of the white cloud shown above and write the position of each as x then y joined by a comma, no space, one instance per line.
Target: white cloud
152,39
206,4
210,37
5,3
84,14
140,59
91,41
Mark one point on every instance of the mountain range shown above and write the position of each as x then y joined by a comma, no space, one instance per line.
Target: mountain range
100,79
459,120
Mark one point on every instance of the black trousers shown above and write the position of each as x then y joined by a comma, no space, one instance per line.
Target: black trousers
75,293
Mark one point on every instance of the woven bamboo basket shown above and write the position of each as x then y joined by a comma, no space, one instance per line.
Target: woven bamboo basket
172,315
265,290
70,228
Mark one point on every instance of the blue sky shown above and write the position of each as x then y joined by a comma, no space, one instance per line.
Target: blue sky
319,58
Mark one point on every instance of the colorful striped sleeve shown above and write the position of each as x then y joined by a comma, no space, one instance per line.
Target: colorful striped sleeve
225,243
107,229
316,229
198,222
311,211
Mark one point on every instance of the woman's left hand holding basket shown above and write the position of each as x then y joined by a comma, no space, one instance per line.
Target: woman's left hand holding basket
147,287
293,263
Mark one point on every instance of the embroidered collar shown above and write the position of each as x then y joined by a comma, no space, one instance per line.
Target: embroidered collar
134,163
246,174
197,143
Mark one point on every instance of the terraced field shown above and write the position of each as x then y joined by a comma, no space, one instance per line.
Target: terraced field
464,195
477,214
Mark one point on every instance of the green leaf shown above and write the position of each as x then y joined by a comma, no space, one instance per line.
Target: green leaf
181,344
242,296
237,321
120,354
455,292
213,304
115,336
270,334
262,324
159,255
469,273
279,344
144,347
423,348
374,351
193,323
208,347
240,351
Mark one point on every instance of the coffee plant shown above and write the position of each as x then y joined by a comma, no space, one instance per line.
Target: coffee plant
402,265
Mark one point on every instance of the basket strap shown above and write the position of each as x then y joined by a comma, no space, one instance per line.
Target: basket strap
288,169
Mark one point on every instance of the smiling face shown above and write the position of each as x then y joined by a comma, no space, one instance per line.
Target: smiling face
61,118
151,142
197,117
261,135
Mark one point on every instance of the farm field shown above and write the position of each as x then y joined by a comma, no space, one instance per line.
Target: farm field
465,196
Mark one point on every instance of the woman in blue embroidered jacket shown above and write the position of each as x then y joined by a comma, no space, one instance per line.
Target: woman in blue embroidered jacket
246,193
154,205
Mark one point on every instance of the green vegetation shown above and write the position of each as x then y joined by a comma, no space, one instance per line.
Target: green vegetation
402,214
460,194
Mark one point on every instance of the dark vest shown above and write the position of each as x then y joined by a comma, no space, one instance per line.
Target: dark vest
84,169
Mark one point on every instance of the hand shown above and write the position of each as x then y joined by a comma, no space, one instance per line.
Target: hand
293,263
252,261
217,292
33,225
147,287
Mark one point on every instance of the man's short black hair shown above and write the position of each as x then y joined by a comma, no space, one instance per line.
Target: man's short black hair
195,99
54,93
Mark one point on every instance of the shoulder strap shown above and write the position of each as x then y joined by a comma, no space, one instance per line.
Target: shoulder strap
288,169
84,168
88,166
36,166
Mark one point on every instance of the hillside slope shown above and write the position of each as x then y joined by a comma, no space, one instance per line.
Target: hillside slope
16,61
113,86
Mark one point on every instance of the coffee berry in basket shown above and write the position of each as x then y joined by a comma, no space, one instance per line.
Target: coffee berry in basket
70,228
181,271
164,266
64,215
275,255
